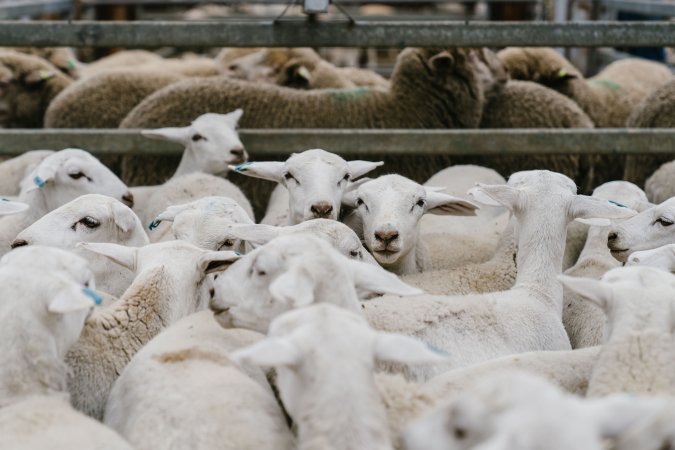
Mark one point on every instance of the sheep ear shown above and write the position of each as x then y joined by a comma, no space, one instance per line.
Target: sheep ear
595,291
70,300
179,135
297,75
269,352
358,168
267,170
38,76
168,215
377,280
295,287
42,174
124,217
11,207
212,262
444,204
124,256
233,117
585,207
496,195
349,198
402,349
562,74
254,233
441,61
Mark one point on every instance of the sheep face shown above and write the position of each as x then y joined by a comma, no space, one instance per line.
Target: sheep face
650,229
89,218
290,272
211,142
316,181
68,174
661,258
251,67
391,207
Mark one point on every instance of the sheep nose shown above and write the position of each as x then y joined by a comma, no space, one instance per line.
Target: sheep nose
612,236
240,154
18,243
128,199
386,236
322,209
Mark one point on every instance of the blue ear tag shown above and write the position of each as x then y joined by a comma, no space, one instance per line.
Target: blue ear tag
154,224
237,253
93,295
5,199
39,182
243,167
436,350
617,204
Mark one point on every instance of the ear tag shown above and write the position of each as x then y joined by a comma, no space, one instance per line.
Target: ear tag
241,168
93,295
71,64
154,224
39,182
437,350
620,205
304,73
5,199
45,74
237,253
562,73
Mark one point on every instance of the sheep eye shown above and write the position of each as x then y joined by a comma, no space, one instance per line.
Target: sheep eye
227,243
288,177
233,67
197,137
262,273
355,253
460,433
345,178
420,203
77,175
88,222
664,222
359,201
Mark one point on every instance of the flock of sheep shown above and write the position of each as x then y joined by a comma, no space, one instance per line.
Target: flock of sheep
468,312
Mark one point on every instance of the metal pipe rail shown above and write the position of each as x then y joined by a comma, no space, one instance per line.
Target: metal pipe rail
371,33
363,141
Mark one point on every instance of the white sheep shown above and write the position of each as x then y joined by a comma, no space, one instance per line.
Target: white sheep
388,210
58,179
9,207
650,229
328,411
204,223
184,376
662,258
90,218
41,316
638,354
528,317
583,321
290,272
167,287
315,181
211,144
15,169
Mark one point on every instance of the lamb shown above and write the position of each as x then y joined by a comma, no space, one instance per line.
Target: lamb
167,287
204,223
27,85
315,181
114,93
41,325
474,328
258,64
294,271
353,416
389,209
12,171
638,355
211,144
90,218
583,321
210,397
58,179
662,258
648,230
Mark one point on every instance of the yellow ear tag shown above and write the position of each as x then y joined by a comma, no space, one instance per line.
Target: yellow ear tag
45,74
562,73
304,73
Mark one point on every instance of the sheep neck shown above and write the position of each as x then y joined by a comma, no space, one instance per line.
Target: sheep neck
349,416
596,247
539,259
188,164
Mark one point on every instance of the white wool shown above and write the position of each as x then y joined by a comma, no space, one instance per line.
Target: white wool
15,169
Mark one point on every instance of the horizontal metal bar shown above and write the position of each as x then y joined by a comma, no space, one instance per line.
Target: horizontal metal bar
299,32
20,9
659,8
424,142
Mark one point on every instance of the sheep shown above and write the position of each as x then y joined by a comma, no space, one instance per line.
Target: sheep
211,145
389,209
649,229
9,207
167,287
638,354
27,85
42,314
125,58
63,58
90,218
315,179
474,328
114,93
293,271
658,186
429,89
583,321
329,413
59,178
655,432
661,257
259,64
12,171
204,223
210,397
